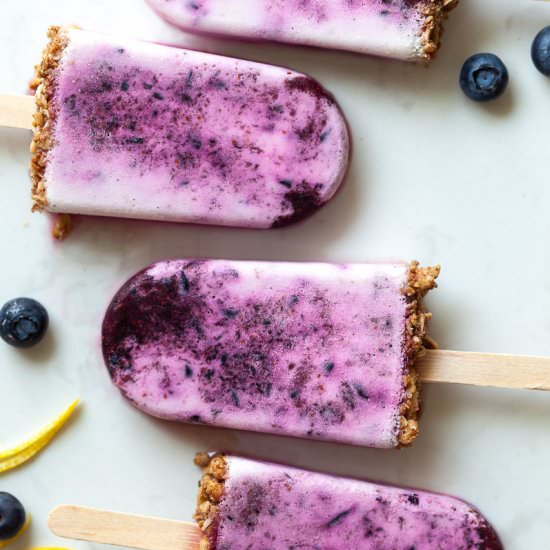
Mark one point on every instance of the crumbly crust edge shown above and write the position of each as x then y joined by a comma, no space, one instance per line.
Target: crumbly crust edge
43,85
211,486
421,281
434,12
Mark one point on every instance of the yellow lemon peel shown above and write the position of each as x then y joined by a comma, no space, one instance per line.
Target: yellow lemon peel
4,543
12,458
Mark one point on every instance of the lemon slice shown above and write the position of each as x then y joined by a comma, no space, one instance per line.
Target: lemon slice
12,458
4,543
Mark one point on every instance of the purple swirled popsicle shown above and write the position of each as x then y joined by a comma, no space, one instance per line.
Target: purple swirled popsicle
138,130
315,350
409,30
248,504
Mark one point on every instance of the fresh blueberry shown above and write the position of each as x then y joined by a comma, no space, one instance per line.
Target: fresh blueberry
483,77
12,516
23,322
540,51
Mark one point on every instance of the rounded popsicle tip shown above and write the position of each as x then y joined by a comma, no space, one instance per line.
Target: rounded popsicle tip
489,539
303,198
479,534
151,318
135,317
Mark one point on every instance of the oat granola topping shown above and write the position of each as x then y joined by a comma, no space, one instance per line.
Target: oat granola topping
435,12
211,485
421,280
43,84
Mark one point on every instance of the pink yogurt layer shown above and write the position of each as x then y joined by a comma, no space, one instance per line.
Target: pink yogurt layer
278,508
149,131
302,349
388,28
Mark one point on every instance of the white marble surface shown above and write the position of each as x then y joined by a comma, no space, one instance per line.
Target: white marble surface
434,177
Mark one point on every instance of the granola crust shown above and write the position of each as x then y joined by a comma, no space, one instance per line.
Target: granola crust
421,280
62,226
214,473
43,84
434,12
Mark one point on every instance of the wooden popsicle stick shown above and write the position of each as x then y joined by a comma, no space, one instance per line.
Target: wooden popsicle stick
485,369
16,111
142,532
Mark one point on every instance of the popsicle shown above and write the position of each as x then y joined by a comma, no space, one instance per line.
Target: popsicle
409,30
246,504
315,350
130,129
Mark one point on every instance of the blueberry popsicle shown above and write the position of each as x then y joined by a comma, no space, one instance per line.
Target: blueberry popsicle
246,504
131,129
313,350
402,29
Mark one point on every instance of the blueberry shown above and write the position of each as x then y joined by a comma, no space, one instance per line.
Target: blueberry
23,322
12,516
540,51
483,77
